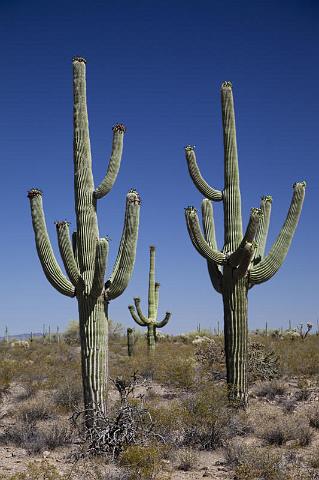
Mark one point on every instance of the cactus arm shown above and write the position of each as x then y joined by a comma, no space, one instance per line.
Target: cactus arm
157,287
135,316
75,248
137,303
164,321
235,258
124,262
231,193
262,232
67,254
151,285
198,240
85,204
199,182
114,163
209,233
48,261
248,252
264,270
102,250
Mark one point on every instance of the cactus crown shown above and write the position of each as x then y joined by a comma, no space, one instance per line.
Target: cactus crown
34,192
189,148
267,198
62,223
119,127
299,184
134,197
227,84
79,59
256,211
190,208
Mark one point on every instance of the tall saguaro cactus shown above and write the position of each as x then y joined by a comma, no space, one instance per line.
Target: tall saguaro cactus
85,257
241,263
153,298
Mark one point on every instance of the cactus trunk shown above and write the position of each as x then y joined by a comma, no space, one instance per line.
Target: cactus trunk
151,338
94,353
236,336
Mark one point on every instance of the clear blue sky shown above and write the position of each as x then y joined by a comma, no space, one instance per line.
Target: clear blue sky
157,66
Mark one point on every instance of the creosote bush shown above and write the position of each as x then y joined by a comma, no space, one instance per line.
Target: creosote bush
36,439
143,462
278,429
270,389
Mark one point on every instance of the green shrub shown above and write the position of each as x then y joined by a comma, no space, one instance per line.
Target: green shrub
143,462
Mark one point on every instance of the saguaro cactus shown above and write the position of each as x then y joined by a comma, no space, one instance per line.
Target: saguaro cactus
241,263
130,341
153,298
85,258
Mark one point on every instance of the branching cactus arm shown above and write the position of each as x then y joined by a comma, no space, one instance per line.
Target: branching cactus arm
247,254
125,260
48,261
75,248
264,270
157,287
137,303
102,250
236,258
114,163
210,236
262,232
67,255
136,317
198,240
199,182
164,321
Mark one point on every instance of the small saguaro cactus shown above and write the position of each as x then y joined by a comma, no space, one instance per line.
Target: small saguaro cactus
241,263
130,341
85,257
153,298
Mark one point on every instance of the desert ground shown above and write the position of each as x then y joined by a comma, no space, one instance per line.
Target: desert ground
168,416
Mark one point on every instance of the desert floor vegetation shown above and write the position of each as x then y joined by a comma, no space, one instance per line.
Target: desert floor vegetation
168,415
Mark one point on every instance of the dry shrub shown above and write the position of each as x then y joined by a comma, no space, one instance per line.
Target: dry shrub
171,364
313,415
187,459
270,389
251,463
262,361
71,335
7,371
277,428
69,395
34,439
34,410
37,471
203,420
299,357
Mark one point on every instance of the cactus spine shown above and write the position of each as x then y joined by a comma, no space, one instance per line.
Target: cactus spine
85,258
241,263
153,298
